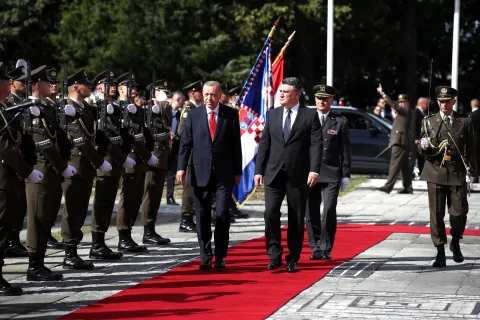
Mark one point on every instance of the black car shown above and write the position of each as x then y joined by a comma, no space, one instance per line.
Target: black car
369,137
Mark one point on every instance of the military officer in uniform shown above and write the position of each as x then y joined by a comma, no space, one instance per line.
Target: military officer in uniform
44,198
225,98
133,180
106,184
447,141
86,159
234,92
13,169
400,144
14,246
334,175
157,174
196,100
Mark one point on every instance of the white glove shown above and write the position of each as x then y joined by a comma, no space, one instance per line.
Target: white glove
425,143
70,171
129,163
156,109
105,167
153,160
344,183
35,177
469,180
35,111
110,109
132,108
70,110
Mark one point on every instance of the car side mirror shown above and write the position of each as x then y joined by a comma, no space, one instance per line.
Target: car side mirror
374,131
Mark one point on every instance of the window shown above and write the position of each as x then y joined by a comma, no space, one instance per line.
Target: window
356,121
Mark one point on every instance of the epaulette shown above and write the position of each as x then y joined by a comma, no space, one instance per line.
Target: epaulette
430,115
336,115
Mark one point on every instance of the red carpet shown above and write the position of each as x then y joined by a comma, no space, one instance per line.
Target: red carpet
245,290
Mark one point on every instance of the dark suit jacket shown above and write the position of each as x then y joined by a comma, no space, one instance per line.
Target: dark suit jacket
476,131
299,155
337,159
400,135
224,153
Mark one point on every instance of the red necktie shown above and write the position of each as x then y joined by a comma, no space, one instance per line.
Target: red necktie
213,124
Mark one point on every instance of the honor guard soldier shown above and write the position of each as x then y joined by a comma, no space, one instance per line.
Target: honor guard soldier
225,98
234,96
43,199
14,246
133,179
400,144
334,175
196,100
13,168
86,159
447,141
106,184
158,122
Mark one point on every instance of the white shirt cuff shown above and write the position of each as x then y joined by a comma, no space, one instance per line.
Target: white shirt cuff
314,173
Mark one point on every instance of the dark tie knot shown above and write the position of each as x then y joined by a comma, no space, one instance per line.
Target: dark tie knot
289,111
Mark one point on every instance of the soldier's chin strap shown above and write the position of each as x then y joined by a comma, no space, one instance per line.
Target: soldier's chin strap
467,168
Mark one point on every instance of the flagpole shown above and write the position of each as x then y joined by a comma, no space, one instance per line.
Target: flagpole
455,49
282,52
330,43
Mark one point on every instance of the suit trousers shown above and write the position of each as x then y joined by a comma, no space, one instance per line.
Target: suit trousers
131,193
105,193
321,229
399,164
7,215
77,191
455,197
203,208
297,202
43,204
152,195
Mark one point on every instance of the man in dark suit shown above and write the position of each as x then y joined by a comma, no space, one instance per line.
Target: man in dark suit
420,112
288,160
400,144
212,136
334,175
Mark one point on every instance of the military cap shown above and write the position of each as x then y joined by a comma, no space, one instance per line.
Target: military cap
324,91
446,93
123,80
102,78
225,89
52,75
17,73
402,97
79,77
196,86
3,72
235,91
39,74
161,84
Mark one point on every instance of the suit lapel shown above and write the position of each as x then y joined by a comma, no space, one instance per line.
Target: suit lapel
220,119
278,119
298,119
456,123
204,123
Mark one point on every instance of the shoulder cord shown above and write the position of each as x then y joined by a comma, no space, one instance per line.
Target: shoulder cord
85,128
50,135
18,140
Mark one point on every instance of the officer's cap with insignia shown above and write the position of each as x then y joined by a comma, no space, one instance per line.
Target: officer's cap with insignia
101,78
235,91
3,72
17,74
445,93
196,86
39,74
123,80
324,91
160,85
402,97
52,75
79,77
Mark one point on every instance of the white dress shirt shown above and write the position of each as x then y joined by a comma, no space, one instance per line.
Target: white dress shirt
293,115
194,103
210,110
444,116
325,115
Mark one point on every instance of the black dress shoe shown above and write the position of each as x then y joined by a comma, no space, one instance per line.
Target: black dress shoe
52,243
219,263
73,261
327,255
457,253
440,259
383,189
317,255
15,250
409,190
6,289
274,265
187,225
43,274
171,201
237,214
151,237
129,245
205,265
292,266
104,253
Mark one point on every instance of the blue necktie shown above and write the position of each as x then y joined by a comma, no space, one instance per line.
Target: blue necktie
287,125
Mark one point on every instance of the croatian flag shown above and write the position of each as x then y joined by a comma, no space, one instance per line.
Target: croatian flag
254,102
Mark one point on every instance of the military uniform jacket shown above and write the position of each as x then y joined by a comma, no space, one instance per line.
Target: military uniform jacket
115,156
14,98
85,157
12,162
336,160
49,160
400,135
161,135
452,172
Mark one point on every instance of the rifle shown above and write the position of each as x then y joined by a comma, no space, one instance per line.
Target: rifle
61,106
126,115
26,116
148,110
102,113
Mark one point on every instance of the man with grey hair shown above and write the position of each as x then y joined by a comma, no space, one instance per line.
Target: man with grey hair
288,161
216,167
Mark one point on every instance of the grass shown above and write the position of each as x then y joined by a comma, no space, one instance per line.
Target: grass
85,230
355,180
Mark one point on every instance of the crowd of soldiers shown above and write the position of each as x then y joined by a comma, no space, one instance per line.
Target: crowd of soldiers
99,135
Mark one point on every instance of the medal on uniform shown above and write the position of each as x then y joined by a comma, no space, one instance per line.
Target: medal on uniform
447,156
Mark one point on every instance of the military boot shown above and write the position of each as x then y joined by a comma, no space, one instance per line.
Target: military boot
126,243
151,237
37,270
100,250
440,259
187,224
6,288
52,243
73,261
15,249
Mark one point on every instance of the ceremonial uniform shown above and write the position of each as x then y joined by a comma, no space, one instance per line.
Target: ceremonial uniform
447,141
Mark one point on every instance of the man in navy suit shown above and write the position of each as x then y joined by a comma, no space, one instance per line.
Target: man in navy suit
212,134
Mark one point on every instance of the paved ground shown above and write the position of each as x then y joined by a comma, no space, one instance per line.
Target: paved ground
388,281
